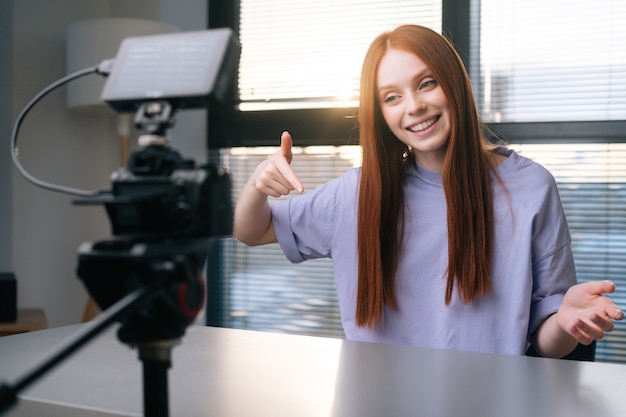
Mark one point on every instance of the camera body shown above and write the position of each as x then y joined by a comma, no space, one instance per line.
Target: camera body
160,195
163,196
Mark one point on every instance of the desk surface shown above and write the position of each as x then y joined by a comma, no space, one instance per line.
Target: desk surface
225,372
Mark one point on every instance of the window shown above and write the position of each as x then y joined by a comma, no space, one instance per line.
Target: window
565,108
558,60
552,75
308,54
267,292
303,54
300,55
592,183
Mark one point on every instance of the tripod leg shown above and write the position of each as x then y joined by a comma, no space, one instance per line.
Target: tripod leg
156,360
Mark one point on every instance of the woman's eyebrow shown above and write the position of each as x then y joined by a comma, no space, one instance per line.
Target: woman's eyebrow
420,74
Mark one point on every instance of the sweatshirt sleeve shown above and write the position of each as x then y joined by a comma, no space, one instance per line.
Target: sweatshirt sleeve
552,258
306,225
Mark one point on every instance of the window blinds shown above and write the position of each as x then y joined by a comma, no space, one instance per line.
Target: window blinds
535,61
266,292
308,54
299,54
557,60
563,61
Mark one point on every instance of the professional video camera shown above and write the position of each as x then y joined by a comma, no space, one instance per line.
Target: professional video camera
161,195
163,209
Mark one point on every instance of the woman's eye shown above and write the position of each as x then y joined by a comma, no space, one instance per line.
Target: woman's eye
390,99
428,84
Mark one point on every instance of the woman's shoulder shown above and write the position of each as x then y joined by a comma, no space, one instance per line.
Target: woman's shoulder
515,165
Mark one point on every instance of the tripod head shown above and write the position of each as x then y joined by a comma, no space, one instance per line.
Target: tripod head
112,269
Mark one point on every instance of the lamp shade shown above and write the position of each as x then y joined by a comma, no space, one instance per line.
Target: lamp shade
89,42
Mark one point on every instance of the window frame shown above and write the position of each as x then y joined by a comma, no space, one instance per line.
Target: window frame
597,131
229,127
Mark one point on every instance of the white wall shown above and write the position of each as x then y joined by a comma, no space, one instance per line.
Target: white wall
64,147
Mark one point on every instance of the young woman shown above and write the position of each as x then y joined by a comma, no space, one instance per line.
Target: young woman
439,239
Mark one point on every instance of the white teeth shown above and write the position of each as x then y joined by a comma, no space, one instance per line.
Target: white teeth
423,126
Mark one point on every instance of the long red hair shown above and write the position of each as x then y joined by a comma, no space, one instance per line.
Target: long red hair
465,177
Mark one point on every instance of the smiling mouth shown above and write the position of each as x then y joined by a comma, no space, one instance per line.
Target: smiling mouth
424,125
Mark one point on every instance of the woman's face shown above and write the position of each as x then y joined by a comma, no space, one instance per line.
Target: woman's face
414,106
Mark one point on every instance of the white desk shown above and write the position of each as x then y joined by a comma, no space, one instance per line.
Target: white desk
233,373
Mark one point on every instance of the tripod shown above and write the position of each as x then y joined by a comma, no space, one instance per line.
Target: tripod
151,279
155,289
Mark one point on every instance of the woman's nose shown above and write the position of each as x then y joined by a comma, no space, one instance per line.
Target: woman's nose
415,104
